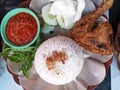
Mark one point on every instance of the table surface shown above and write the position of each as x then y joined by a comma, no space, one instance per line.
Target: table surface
115,76
111,80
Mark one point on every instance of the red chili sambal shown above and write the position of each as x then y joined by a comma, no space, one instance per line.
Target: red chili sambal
21,29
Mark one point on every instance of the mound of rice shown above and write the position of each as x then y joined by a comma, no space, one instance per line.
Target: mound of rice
63,72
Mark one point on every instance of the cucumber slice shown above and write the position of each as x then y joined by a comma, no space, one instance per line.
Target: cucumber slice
52,0
62,7
79,9
47,17
62,24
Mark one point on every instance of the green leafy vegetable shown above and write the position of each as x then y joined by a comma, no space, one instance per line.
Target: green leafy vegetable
23,56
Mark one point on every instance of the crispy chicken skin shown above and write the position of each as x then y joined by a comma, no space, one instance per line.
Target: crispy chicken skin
94,38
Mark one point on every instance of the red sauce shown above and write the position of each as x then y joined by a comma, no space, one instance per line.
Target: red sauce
21,29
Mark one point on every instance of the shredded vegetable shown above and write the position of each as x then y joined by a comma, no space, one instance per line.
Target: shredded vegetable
24,56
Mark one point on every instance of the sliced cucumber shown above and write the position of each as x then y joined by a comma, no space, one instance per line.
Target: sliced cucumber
52,0
62,24
79,9
75,4
62,7
47,17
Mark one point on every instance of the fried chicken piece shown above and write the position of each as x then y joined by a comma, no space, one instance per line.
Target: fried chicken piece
95,38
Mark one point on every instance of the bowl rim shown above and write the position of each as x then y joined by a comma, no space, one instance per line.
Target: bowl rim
8,16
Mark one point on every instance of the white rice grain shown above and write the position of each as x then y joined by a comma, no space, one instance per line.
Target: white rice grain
68,71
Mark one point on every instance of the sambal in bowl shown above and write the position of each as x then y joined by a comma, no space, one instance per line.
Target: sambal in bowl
20,28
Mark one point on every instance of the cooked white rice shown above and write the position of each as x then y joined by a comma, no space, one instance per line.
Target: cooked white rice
68,71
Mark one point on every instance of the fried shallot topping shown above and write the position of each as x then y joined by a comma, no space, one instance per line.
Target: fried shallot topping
55,57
